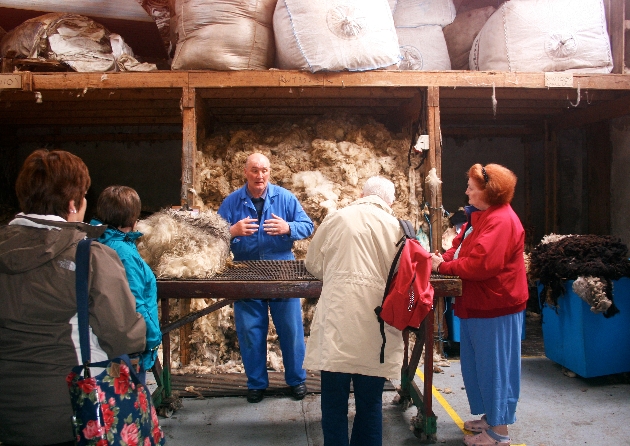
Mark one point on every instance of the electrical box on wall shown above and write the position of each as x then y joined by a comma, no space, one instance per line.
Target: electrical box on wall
422,143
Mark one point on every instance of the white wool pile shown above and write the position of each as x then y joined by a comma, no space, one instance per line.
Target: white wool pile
182,245
552,238
324,162
592,291
447,238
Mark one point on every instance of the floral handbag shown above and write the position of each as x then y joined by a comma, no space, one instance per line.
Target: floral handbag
113,407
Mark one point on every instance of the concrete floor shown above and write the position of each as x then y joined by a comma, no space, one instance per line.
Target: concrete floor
554,410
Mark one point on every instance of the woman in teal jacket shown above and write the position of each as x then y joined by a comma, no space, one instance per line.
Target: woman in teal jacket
119,208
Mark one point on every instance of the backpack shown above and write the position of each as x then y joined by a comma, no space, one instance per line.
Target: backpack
408,296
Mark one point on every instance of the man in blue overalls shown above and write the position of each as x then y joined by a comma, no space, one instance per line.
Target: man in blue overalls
283,222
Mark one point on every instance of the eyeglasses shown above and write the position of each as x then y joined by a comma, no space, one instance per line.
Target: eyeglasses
485,175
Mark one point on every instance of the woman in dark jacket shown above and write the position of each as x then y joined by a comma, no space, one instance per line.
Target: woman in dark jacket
38,329
488,256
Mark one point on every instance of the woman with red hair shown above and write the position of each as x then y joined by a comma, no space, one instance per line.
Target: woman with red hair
488,256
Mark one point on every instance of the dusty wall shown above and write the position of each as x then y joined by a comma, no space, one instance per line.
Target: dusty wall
153,168
620,180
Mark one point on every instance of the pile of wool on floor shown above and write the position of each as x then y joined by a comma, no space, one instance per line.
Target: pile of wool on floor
324,162
560,258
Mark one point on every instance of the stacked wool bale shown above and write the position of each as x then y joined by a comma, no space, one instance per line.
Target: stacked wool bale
324,162
325,35
544,35
223,35
419,26
461,34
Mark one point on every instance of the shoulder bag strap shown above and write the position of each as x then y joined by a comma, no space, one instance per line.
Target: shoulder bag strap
82,262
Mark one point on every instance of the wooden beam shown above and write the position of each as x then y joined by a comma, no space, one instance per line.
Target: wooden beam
480,132
81,137
333,101
87,122
297,80
537,94
301,111
434,161
293,93
616,17
114,95
185,332
189,144
597,113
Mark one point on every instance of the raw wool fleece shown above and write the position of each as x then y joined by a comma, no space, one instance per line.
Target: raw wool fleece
592,291
324,162
561,258
180,246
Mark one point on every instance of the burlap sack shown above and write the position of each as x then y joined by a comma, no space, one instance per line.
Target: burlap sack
461,33
223,35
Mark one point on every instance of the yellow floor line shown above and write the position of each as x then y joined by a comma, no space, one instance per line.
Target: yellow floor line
447,407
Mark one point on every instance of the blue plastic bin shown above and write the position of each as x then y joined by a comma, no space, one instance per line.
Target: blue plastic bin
584,342
452,321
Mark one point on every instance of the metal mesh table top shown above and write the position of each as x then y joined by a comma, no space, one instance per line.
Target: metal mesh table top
274,270
265,270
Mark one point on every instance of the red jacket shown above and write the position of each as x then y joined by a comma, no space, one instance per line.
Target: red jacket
490,264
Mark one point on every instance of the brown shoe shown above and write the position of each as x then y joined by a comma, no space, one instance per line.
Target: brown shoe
477,425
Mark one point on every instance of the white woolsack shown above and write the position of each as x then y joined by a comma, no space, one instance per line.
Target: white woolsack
183,246
412,13
423,49
544,35
334,35
224,35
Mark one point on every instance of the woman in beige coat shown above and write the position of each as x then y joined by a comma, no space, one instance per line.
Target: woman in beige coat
352,252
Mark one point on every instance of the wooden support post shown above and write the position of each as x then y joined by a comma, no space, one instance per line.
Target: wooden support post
412,114
189,145
435,199
189,149
616,20
435,161
184,333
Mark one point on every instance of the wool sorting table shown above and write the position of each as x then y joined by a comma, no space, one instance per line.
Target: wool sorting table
290,279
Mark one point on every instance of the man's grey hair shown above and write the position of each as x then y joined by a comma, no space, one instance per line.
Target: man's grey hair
381,187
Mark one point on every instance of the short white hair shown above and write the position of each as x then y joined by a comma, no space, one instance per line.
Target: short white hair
381,187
